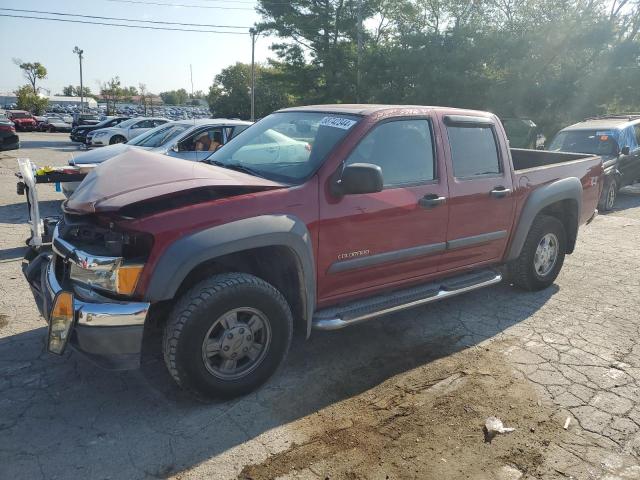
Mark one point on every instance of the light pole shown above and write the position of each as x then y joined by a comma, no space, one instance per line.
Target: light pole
79,53
253,33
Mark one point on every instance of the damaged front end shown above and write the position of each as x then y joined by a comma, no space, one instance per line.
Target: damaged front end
84,287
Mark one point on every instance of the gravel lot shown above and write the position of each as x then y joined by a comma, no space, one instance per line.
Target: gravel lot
401,397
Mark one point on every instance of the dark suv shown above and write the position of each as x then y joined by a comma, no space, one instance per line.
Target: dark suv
79,133
614,137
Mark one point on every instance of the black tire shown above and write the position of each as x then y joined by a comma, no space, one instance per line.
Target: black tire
198,311
522,271
609,196
117,139
52,130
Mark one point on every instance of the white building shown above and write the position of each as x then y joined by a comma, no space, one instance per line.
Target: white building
8,98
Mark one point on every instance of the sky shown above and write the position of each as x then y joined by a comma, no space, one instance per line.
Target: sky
160,59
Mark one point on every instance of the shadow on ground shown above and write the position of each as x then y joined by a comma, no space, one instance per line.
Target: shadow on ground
53,144
62,417
15,213
628,197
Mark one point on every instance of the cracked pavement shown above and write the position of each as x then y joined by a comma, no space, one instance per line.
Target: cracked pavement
576,343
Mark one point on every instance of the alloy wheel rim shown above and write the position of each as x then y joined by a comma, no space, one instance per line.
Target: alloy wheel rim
546,254
236,343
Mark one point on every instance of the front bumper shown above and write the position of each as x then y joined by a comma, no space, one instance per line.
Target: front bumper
97,142
107,331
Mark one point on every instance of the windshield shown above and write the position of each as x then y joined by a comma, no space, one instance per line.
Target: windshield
20,115
159,135
287,146
596,142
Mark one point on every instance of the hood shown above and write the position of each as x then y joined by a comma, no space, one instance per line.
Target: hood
23,120
137,175
107,129
101,154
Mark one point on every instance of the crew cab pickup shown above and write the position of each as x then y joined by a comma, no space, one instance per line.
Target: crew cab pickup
385,208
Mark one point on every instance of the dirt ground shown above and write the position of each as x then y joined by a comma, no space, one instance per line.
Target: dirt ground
404,396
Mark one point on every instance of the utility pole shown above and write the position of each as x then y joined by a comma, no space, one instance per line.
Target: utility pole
359,51
79,53
253,33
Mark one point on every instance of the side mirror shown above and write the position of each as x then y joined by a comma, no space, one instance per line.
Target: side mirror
175,148
359,178
624,151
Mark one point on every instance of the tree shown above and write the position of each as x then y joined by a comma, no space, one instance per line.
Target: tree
144,96
553,62
74,91
32,72
32,102
175,97
230,94
112,92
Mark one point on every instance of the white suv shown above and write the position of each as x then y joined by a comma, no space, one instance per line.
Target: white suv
123,132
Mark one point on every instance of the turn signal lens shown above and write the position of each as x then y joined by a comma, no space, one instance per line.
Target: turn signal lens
128,276
60,322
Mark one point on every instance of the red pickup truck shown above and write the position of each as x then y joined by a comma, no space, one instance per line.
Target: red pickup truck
316,217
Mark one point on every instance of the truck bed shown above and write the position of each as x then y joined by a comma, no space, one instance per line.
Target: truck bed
534,168
524,159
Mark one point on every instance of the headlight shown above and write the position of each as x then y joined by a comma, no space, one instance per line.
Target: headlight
120,279
100,134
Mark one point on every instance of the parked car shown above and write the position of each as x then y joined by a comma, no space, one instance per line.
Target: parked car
22,120
617,139
176,139
9,139
79,134
39,121
54,124
123,132
84,119
230,255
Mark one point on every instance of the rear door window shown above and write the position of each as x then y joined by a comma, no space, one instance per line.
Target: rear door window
474,151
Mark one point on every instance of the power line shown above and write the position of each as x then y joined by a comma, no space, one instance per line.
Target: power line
120,25
122,19
180,5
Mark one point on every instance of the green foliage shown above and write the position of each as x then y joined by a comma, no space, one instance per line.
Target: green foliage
32,102
230,94
112,92
553,62
32,71
74,91
175,97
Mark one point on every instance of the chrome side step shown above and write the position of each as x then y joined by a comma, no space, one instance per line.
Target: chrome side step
335,318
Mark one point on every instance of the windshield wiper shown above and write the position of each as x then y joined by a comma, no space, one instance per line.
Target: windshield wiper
237,167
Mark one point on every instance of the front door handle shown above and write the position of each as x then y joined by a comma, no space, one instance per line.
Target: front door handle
500,192
431,200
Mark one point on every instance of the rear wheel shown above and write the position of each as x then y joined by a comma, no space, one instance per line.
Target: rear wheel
117,139
542,255
609,196
227,335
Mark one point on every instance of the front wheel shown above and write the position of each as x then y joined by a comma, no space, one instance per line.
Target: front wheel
117,139
227,335
542,255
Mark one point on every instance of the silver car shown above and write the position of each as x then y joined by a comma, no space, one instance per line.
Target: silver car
180,139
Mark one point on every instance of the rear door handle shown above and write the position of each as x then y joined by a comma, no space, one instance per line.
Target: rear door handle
431,200
500,192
